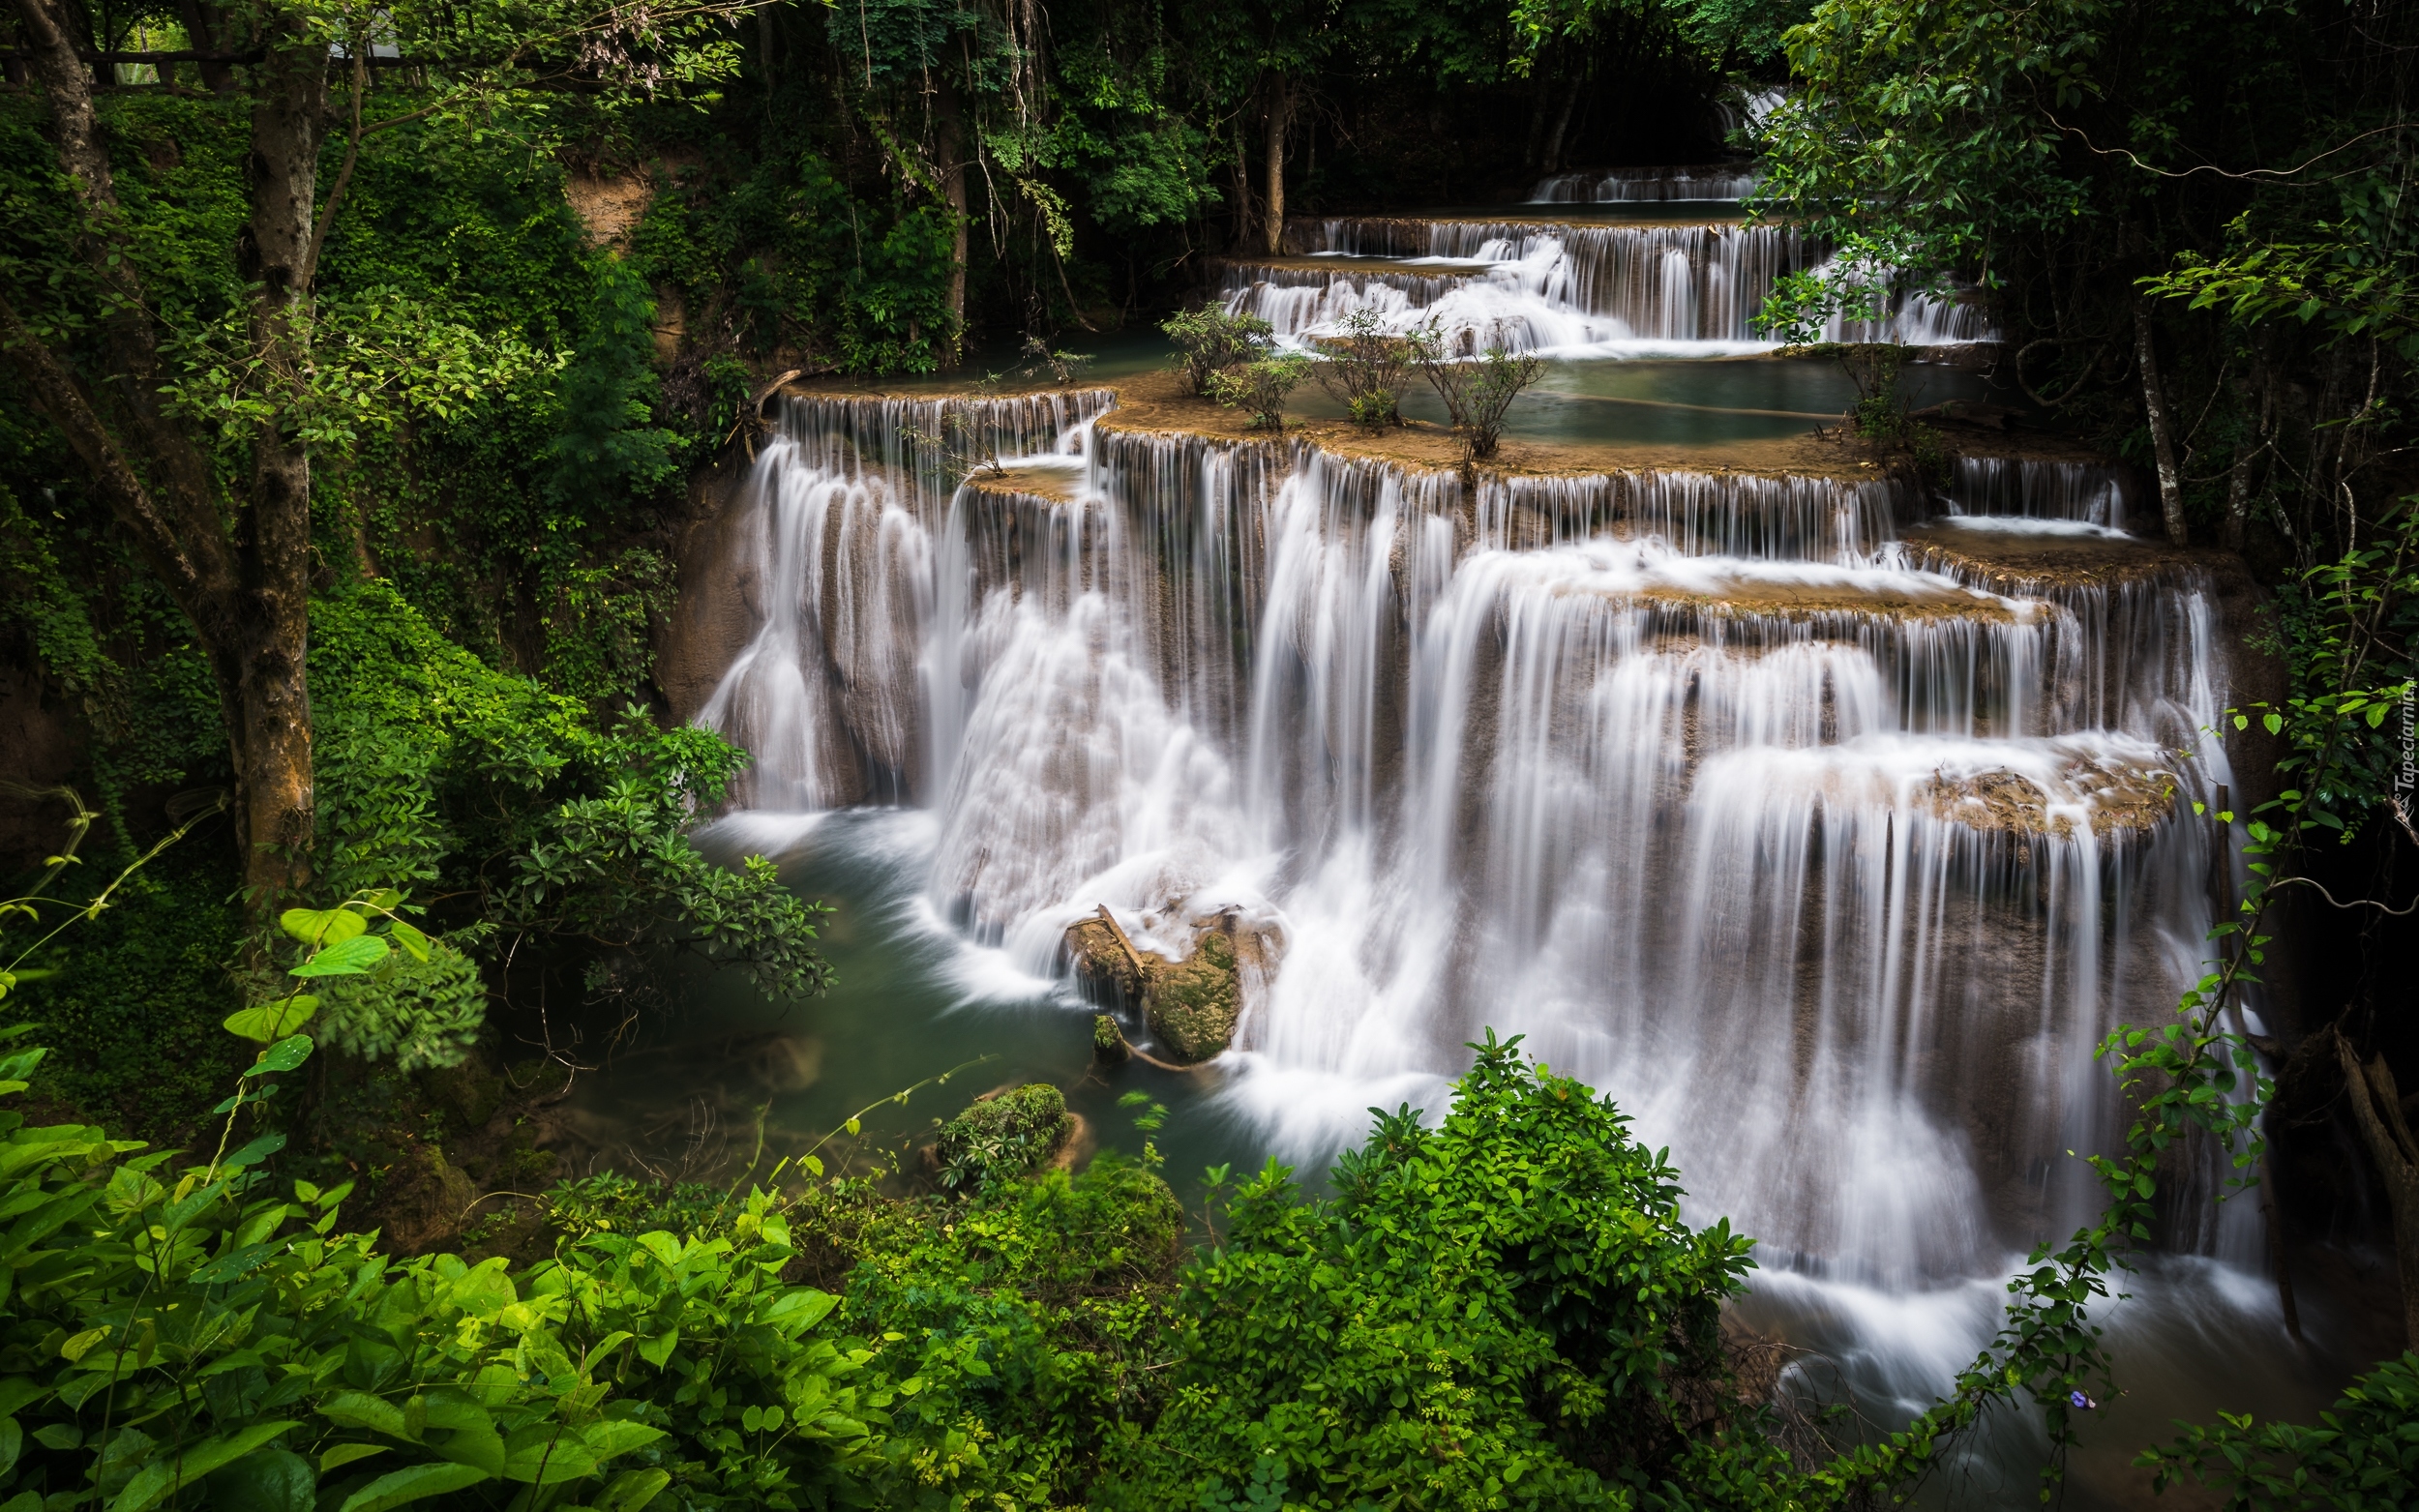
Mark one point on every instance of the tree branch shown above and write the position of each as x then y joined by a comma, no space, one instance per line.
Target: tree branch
344,174
199,586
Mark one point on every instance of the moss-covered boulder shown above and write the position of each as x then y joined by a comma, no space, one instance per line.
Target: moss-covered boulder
1192,1003
1003,1136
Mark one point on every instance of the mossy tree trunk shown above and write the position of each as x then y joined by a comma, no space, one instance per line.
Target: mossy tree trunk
235,560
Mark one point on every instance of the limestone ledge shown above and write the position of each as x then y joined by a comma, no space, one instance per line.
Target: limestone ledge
2124,801
2025,566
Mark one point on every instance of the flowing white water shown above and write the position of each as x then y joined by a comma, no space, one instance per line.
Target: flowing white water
1684,776
1632,186
1576,290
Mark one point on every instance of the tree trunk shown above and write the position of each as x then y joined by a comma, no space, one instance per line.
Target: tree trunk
1562,123
2161,427
950,130
202,29
2377,1107
2238,483
245,587
288,122
1280,117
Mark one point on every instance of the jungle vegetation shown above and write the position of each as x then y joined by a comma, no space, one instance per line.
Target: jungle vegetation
359,364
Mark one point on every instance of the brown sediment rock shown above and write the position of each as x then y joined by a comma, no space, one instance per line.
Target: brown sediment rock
1037,485
2125,800
609,207
2020,563
1159,403
1810,601
720,604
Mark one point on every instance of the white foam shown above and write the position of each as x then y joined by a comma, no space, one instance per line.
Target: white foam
2033,525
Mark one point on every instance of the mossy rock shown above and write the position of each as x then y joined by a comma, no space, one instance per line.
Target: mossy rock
1101,964
1192,1003
1003,1136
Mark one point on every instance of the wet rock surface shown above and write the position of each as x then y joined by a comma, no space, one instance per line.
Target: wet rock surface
1192,1005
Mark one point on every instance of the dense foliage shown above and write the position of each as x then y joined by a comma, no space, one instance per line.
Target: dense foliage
570,246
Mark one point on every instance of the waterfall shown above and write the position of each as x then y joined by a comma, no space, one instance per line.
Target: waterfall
1829,850
1630,186
1542,284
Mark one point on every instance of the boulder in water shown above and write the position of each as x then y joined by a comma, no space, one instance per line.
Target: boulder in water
1191,1005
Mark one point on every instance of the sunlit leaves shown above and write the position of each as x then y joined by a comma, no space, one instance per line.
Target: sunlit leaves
370,361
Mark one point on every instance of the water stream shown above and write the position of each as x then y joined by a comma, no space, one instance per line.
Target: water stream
1747,798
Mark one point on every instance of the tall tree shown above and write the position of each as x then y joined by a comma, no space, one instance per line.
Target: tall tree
197,433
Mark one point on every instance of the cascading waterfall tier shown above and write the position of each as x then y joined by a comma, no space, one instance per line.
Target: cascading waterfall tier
1537,285
1719,181
1827,848
842,511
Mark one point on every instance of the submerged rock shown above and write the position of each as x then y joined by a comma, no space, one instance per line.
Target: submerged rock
1108,1040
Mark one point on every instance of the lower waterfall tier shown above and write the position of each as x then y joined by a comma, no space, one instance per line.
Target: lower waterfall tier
1813,834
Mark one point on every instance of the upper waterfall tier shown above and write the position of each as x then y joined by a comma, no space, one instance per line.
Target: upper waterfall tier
1813,832
1536,284
1719,181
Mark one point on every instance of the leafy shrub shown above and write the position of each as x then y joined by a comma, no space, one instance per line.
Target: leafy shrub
1003,1136
1365,369
2362,1455
610,1203
1210,341
421,1014
1505,1310
1260,387
133,1010
1478,394
444,771
206,1330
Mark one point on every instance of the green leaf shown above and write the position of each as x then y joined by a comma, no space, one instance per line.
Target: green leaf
232,1264
346,1453
415,944
608,1437
547,1456
631,1490
412,1483
284,1055
360,1410
353,958
161,1476
320,928
269,1480
273,1020
656,1350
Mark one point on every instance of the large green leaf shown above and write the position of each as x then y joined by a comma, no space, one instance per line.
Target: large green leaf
284,1055
351,958
360,1410
157,1479
321,928
412,1483
270,1480
612,1437
547,1455
631,1490
275,1021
